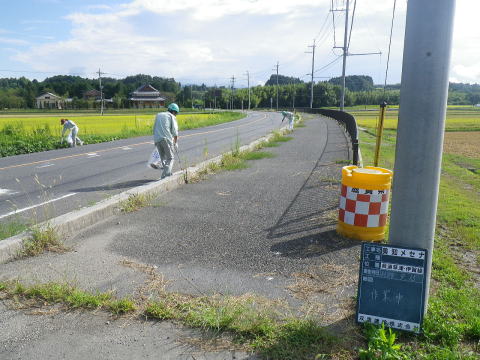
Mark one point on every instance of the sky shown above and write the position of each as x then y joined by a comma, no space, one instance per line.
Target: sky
211,41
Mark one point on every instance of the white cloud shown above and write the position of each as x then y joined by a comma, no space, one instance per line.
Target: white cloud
13,41
212,39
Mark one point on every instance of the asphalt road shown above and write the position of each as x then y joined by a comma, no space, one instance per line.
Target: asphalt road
267,230
35,187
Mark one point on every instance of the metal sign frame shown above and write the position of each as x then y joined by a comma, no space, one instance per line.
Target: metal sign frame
392,286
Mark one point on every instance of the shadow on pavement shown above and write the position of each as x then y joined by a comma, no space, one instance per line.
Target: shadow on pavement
307,226
313,245
121,185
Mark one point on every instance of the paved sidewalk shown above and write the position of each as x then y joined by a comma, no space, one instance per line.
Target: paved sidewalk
268,229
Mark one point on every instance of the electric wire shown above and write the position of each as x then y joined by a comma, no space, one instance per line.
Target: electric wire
389,46
351,25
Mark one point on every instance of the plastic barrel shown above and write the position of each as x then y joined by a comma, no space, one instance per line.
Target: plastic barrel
364,201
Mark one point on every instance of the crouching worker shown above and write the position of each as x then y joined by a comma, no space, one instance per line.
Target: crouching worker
165,136
290,116
70,125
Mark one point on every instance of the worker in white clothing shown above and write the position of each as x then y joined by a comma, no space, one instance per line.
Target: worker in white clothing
290,116
165,137
70,125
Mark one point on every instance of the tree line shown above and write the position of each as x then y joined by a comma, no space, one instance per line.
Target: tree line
20,93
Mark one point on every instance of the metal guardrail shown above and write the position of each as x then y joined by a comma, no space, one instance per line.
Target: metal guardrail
347,120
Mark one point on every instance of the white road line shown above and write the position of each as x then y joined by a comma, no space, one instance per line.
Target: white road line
7,192
126,148
90,155
34,206
44,166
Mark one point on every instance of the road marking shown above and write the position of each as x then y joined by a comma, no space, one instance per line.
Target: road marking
121,147
34,206
44,166
7,192
126,148
90,155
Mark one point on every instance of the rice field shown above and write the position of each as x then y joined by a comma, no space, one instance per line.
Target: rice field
458,119
109,124
22,134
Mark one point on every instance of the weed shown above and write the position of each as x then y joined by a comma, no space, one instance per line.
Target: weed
121,306
135,202
343,162
257,155
41,240
12,228
381,344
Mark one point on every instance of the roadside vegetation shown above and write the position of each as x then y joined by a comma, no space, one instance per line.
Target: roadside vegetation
30,133
451,327
41,240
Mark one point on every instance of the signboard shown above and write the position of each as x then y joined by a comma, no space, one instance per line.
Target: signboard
391,286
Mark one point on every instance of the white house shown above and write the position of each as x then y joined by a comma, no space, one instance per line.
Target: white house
50,101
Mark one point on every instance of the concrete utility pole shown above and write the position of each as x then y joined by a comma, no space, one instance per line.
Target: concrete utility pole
276,66
233,90
344,65
313,66
101,91
191,95
345,47
421,124
248,84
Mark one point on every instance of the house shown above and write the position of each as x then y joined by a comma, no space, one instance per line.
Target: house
49,101
146,96
92,95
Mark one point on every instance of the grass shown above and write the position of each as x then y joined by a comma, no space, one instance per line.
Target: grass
32,133
12,228
452,323
256,323
41,240
135,202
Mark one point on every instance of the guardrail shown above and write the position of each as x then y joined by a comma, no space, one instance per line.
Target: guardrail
347,120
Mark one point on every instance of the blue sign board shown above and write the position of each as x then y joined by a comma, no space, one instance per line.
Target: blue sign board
391,286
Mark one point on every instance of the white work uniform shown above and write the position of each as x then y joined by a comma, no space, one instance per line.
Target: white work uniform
164,130
70,125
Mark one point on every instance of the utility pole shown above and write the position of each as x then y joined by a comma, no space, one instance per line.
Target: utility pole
293,96
233,90
346,44
101,91
276,67
423,101
313,66
248,84
345,51
191,94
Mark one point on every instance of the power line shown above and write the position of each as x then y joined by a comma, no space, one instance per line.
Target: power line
389,46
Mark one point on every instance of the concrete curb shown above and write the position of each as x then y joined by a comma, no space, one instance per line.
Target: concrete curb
76,220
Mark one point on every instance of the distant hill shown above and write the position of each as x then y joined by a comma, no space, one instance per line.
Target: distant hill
283,80
355,82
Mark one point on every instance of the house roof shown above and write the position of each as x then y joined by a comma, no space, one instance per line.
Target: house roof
93,92
146,88
48,94
146,98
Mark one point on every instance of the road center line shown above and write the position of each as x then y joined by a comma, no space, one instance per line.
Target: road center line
34,206
121,147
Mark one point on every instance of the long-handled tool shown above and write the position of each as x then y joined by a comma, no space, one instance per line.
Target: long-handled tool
185,170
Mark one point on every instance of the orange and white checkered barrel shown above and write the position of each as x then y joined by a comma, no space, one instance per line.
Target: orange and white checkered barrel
364,201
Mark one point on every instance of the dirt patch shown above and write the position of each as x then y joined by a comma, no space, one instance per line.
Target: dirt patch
462,143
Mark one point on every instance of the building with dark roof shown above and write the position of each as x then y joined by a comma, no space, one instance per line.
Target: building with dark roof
146,96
